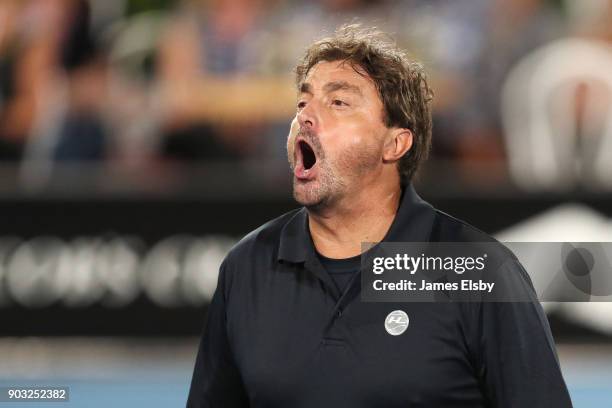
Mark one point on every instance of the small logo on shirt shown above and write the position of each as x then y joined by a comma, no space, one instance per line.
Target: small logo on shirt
396,322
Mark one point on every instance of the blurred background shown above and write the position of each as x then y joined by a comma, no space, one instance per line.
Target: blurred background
140,139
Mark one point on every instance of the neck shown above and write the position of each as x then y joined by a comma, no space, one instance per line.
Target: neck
365,216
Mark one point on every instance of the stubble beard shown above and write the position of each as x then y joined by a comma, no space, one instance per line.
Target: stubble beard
335,179
318,194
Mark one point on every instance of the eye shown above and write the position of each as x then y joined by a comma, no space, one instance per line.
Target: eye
339,102
301,105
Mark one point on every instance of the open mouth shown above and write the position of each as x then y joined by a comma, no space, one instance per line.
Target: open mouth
309,158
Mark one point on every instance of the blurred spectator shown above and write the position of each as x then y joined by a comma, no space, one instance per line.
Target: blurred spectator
10,130
514,28
219,101
29,44
558,98
469,47
83,134
52,83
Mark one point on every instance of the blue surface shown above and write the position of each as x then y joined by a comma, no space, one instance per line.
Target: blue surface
590,387
98,394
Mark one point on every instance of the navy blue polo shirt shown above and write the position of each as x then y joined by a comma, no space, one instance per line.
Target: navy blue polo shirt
280,333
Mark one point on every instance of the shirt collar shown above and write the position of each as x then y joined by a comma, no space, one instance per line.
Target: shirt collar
413,222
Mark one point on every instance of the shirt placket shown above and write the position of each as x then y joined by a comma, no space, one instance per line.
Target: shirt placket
331,333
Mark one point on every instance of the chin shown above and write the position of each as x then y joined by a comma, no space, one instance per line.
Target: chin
308,197
306,200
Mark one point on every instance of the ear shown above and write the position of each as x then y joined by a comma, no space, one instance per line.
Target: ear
399,141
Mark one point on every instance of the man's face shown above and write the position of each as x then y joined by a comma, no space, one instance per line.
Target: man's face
336,140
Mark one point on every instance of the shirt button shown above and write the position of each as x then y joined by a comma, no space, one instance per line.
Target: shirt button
339,313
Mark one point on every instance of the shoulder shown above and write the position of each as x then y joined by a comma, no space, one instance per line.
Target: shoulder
260,243
503,267
253,255
447,228
451,229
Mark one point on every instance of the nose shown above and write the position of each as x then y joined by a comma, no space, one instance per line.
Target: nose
308,116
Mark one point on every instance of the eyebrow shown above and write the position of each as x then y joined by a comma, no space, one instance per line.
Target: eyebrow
331,87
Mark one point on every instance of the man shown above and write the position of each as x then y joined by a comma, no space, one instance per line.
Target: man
286,326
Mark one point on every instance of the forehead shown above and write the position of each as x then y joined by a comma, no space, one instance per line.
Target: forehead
325,72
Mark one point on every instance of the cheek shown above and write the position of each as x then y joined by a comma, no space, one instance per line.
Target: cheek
290,146
357,138
363,138
291,137
355,152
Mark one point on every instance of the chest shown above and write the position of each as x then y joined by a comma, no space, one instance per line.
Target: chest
296,347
